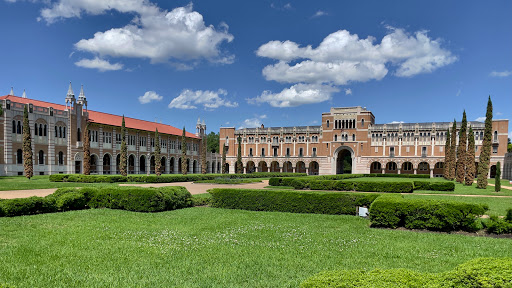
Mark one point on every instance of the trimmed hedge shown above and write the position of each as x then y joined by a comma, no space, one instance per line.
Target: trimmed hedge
161,179
496,225
289,201
26,206
348,185
395,211
434,185
481,272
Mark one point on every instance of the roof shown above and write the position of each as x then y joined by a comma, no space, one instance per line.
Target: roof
108,119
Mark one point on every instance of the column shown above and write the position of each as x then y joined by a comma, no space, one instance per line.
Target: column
415,171
432,145
399,146
383,171
415,148
384,147
431,172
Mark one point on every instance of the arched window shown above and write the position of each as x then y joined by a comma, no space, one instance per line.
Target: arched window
41,157
250,152
362,123
61,158
301,152
60,132
35,129
13,126
19,157
495,136
40,129
44,131
18,128
63,132
262,152
79,134
327,123
353,137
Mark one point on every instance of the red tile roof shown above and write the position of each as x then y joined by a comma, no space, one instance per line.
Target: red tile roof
108,119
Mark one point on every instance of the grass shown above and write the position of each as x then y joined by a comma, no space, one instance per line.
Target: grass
497,206
504,182
207,247
40,182
230,180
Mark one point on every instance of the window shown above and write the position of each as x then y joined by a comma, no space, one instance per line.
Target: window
314,138
391,166
61,158
495,136
131,140
142,141
262,152
407,149
494,149
35,129
107,137
173,144
327,123
56,131
314,152
19,156
287,152
163,143
18,128
275,152
441,149
391,151
250,152
362,123
41,157
301,152
423,166
13,126
335,138
40,130
44,131
263,139
275,140
407,166
60,132
353,137
423,151
179,146
93,136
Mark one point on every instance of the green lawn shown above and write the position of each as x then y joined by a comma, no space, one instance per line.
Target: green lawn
207,247
39,182
497,206
504,182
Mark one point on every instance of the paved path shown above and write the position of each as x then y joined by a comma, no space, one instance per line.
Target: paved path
199,188
26,193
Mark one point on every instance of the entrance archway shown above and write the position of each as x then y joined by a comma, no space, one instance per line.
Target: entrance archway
300,167
375,168
313,168
250,167
274,167
344,162
287,167
492,173
262,166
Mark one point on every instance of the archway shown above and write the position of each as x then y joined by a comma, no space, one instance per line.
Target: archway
407,168
218,168
423,168
171,166
118,163
274,167
313,168
213,167
131,164
300,167
188,165
162,165
262,166
391,168
344,162
106,164
194,167
250,167
287,167
439,169
492,173
179,166
152,164
142,164
92,164
227,168
375,168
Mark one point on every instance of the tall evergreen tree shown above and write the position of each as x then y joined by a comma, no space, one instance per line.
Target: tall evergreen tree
224,160
87,151
28,164
497,183
123,159
453,148
485,152
184,166
239,164
157,154
462,149
470,158
2,111
203,154
447,149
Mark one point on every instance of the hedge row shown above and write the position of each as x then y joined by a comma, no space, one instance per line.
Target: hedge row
289,201
392,211
344,185
498,225
434,185
481,272
161,179
126,198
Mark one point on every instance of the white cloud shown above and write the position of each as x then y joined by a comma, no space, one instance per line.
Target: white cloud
100,64
319,13
480,119
161,36
348,91
150,96
458,92
296,95
210,100
343,57
253,122
396,122
499,113
287,6
500,74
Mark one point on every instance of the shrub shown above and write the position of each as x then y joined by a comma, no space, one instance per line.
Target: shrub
496,225
393,212
508,217
289,201
434,186
362,186
481,272
71,201
27,206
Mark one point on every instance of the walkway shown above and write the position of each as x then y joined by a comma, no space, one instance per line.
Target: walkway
200,188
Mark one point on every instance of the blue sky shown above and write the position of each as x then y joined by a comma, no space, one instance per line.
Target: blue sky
280,63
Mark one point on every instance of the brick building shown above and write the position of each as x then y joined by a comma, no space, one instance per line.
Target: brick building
57,139
349,141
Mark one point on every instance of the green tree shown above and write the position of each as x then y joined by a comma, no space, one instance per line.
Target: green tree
28,164
203,154
213,142
239,164
184,166
470,158
87,151
224,160
447,149
462,149
123,159
157,154
509,147
2,113
453,147
497,183
485,152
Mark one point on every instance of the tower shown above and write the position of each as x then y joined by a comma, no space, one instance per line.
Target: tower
200,128
70,97
81,98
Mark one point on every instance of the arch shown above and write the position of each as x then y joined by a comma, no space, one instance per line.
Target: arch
213,167
423,168
41,157
439,169
162,164
274,167
194,167
344,156
171,166
391,168
142,164
118,163
492,172
287,167
188,164
262,166
218,168
60,159
313,168
300,167
92,164
227,168
407,168
250,167
152,164
106,163
131,164
375,168
179,166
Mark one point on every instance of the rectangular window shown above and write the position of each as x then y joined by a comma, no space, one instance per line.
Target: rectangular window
275,152
142,141
423,151
441,149
314,152
391,151
287,152
262,152
301,152
494,149
407,149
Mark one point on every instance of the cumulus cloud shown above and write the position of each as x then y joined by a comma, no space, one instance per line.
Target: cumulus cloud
480,119
296,95
396,122
161,36
100,64
253,122
210,100
500,74
348,91
149,97
343,57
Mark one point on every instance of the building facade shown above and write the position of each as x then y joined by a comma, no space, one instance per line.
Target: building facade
57,140
349,141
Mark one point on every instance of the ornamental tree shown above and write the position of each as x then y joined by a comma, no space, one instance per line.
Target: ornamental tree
470,158
203,154
157,154
461,151
239,165
224,160
447,149
485,152
87,151
184,166
28,164
123,161
453,147
497,183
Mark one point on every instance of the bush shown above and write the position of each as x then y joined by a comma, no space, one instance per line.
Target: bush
434,186
289,201
362,186
27,206
393,212
496,225
71,201
508,217
477,273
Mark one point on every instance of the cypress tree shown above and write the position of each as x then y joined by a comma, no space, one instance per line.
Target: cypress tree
470,158
1,110
184,168
485,153
123,161
497,183
224,160
239,164
461,151
28,164
203,155
447,148
453,147
87,151
157,154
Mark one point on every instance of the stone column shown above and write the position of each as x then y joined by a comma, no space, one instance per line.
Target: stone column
431,172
